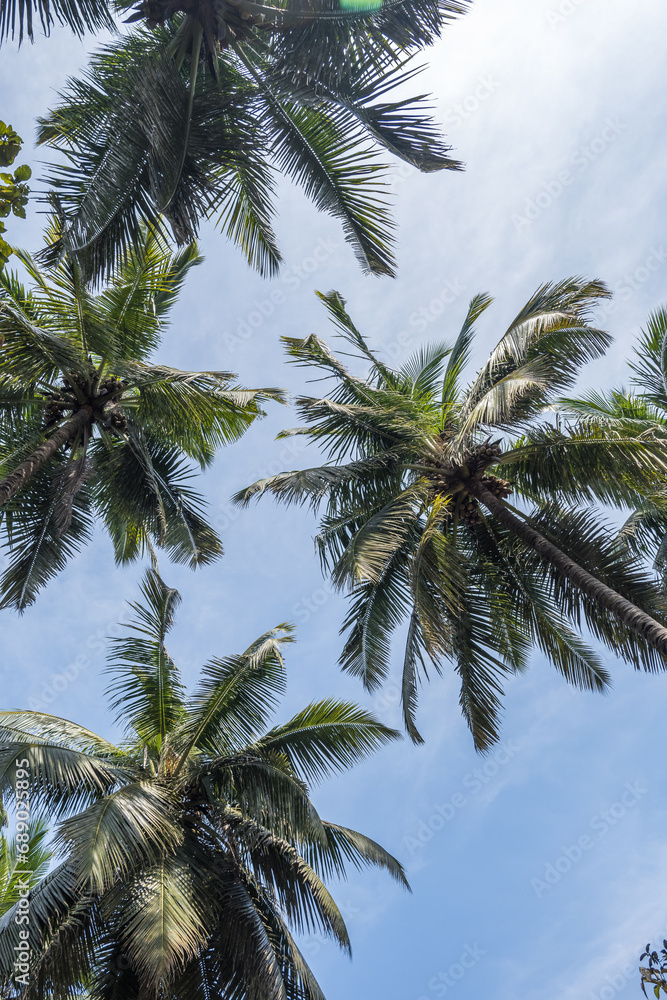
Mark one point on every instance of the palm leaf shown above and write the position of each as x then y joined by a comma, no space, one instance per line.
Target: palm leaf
337,173
165,920
539,356
19,17
147,687
130,826
62,779
327,737
344,846
235,696
36,546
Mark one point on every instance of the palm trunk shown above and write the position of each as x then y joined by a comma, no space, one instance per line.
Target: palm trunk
24,472
628,613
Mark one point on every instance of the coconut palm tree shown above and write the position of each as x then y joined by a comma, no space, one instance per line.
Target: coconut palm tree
145,138
419,527
91,427
190,851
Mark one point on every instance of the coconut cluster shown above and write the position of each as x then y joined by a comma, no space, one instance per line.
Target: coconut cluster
449,480
469,505
54,410
112,385
103,402
63,400
227,21
115,418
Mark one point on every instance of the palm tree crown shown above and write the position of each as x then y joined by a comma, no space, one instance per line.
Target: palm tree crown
418,524
148,139
190,851
90,427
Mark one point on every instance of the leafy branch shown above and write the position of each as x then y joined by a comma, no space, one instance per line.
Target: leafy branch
13,189
656,973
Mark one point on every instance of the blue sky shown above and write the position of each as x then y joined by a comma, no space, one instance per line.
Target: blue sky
545,875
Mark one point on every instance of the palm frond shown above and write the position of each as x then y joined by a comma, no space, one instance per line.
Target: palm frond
337,172
311,485
327,737
235,696
344,846
129,826
36,546
377,608
194,411
589,463
539,356
19,868
649,367
144,493
52,727
312,347
372,546
461,349
265,789
146,686
61,779
165,920
137,301
288,878
18,18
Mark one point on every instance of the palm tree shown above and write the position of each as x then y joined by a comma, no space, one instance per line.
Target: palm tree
191,850
148,139
418,525
90,427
